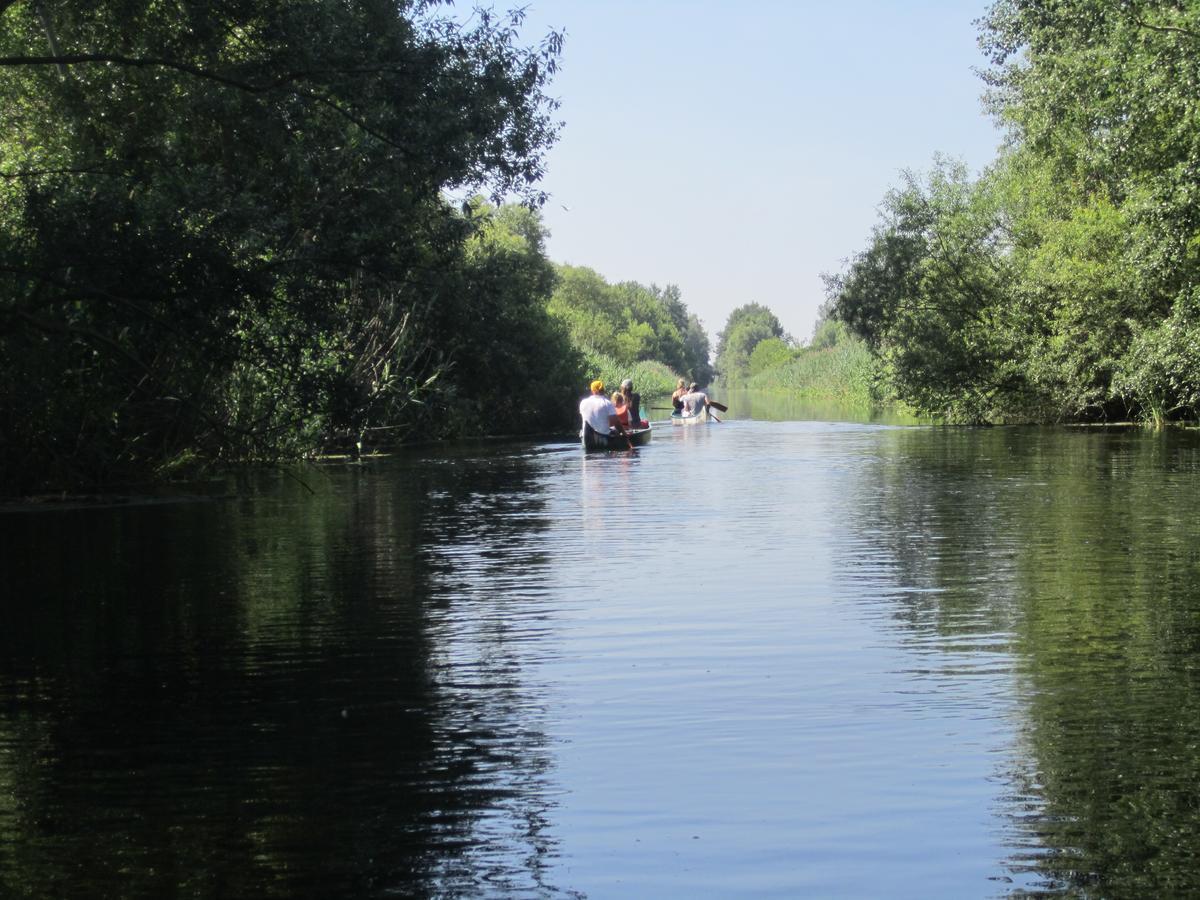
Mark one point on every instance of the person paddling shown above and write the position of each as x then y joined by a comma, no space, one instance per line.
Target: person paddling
694,401
677,397
634,401
622,407
600,417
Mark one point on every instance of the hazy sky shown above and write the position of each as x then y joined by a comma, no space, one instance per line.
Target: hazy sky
740,149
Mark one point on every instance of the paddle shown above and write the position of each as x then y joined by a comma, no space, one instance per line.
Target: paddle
714,415
721,406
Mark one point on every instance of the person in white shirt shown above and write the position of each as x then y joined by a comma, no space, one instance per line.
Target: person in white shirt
694,400
599,414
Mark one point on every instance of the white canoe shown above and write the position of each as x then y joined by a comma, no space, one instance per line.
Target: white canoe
678,418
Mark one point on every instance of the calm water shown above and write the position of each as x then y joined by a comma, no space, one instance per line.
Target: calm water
756,659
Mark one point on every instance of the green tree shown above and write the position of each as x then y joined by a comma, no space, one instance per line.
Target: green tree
928,296
697,352
769,354
219,228
629,322
1102,103
584,302
512,366
746,327
651,328
1061,283
1162,367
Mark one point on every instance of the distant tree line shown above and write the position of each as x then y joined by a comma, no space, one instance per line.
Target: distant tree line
631,323
748,327
225,236
754,351
1061,284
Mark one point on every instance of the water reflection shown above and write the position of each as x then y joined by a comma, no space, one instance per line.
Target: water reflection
1071,558
801,658
770,406
275,695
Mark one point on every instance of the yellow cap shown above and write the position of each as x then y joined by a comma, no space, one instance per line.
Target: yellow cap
597,387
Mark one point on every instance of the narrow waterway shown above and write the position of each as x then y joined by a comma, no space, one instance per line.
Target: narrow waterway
756,658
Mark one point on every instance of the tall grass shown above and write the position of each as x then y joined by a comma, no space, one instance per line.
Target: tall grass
843,372
650,379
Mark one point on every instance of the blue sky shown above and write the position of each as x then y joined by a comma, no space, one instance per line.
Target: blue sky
739,150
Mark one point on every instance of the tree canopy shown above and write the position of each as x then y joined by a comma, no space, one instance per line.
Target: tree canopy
1062,282
631,322
747,327
224,232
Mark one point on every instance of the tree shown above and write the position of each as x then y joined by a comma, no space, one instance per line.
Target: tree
629,321
769,354
929,297
1061,283
584,303
745,328
828,331
1101,100
207,219
696,351
505,336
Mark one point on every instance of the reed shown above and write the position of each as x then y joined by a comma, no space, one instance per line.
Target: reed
843,372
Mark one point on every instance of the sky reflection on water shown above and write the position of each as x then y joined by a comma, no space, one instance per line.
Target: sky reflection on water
757,658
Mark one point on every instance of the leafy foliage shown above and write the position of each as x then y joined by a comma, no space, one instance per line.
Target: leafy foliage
629,322
650,378
1060,283
769,354
746,327
841,372
512,365
223,232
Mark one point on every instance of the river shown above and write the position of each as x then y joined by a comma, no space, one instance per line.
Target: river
788,658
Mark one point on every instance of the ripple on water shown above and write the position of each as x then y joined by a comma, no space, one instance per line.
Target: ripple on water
805,659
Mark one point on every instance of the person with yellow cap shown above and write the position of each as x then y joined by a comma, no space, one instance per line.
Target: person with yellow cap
600,417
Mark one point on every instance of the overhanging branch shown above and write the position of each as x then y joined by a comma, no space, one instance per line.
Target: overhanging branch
288,79
1170,29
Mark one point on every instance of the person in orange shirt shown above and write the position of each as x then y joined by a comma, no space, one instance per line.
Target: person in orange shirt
618,400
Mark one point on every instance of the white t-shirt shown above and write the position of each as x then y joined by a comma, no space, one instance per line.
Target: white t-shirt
694,402
595,410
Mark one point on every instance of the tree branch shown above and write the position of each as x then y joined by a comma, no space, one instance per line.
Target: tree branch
51,37
289,78
74,292
74,59
1168,28
36,173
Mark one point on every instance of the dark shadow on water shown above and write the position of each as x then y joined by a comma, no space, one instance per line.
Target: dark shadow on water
272,695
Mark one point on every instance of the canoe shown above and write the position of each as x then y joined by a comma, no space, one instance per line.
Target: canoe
678,418
593,441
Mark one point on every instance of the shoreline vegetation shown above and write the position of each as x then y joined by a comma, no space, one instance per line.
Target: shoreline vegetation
326,233
1062,284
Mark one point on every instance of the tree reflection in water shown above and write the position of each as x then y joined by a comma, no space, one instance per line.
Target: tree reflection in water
280,695
1070,558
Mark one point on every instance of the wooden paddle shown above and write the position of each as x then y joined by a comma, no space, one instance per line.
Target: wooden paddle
721,406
